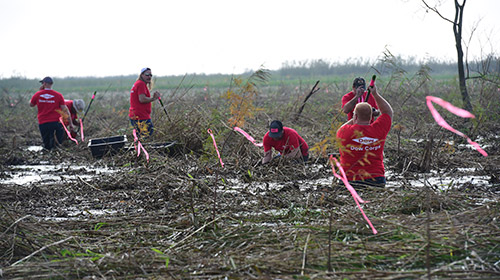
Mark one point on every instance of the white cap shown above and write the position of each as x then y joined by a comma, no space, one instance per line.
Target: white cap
79,104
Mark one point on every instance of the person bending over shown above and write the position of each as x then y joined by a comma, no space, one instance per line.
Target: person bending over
286,141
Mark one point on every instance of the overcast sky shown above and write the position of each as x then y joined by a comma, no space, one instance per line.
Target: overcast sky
63,38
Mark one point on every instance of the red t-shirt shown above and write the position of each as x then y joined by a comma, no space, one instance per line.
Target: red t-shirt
346,98
291,140
49,104
138,110
362,148
71,108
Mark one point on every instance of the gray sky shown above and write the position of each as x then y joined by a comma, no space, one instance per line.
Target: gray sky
63,38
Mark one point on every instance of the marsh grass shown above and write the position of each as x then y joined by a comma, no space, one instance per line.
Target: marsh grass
464,239
166,222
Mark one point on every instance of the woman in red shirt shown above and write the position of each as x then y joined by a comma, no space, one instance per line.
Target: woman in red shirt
74,106
140,103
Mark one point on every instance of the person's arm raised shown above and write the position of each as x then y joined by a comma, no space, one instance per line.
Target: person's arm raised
383,106
349,106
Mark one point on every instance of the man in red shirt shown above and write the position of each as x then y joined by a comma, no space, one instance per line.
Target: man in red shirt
362,142
140,103
51,107
286,141
357,95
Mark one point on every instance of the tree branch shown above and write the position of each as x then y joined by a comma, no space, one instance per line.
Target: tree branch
435,10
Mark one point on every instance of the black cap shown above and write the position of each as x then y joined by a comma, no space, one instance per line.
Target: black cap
359,82
47,80
275,129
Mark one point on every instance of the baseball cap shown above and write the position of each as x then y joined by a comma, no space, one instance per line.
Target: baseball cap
79,104
275,129
359,82
145,69
47,80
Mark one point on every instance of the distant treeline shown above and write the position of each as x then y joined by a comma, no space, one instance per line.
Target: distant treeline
289,72
381,66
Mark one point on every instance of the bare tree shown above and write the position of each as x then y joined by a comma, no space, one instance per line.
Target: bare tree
457,23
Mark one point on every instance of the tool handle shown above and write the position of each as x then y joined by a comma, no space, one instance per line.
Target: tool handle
372,83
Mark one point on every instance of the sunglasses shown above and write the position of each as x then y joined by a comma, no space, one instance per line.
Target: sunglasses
148,75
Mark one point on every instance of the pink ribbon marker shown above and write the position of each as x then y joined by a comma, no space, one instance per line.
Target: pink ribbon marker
215,145
136,140
455,110
67,131
81,129
354,194
372,82
250,138
139,146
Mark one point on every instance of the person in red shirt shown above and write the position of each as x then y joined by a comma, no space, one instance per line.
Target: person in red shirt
140,104
361,143
286,141
74,106
357,95
51,107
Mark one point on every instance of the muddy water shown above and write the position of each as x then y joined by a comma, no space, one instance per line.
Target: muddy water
48,174
45,173
64,173
440,181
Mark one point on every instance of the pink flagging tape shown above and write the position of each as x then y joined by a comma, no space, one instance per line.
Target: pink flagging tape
81,130
215,145
144,150
455,110
250,138
139,146
344,179
135,141
362,98
67,131
353,192
372,82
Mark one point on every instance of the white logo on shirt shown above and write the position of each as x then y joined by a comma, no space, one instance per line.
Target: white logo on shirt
47,96
365,140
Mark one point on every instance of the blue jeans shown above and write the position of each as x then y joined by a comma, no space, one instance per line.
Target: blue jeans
143,127
47,130
305,158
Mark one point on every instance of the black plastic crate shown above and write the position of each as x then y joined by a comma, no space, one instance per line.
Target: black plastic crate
107,146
